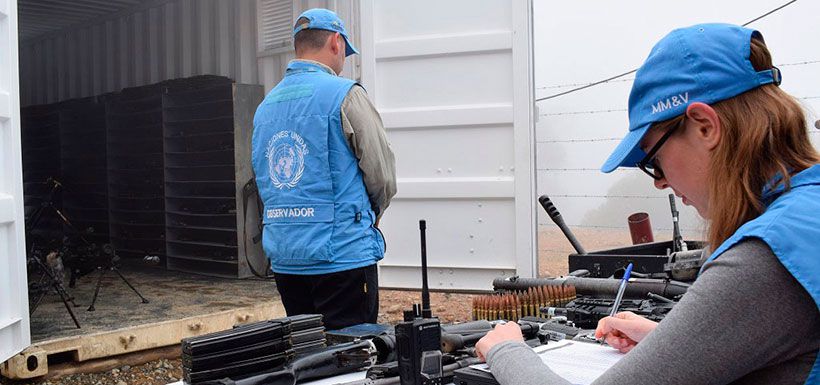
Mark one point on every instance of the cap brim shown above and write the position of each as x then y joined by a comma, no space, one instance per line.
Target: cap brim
349,48
628,153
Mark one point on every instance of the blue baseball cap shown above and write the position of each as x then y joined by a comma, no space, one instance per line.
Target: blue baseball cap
703,63
320,18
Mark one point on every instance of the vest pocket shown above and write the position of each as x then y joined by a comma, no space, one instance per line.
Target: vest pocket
380,234
384,240
298,235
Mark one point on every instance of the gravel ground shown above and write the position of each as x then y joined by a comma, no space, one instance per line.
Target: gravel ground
449,307
158,372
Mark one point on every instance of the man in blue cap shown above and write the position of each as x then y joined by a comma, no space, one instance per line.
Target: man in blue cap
326,174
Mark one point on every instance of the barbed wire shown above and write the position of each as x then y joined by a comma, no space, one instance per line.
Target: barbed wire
608,196
619,169
805,62
611,227
579,140
635,70
587,86
584,112
592,112
580,84
570,250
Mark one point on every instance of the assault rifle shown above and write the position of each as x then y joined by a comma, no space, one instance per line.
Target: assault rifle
585,312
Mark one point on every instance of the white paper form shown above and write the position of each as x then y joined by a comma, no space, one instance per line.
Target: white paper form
578,362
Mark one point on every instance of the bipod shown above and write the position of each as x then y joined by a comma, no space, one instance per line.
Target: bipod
58,287
111,267
32,222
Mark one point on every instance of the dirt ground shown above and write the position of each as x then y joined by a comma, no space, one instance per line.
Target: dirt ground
553,249
449,307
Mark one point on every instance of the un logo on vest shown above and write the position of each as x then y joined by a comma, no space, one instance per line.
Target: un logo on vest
286,159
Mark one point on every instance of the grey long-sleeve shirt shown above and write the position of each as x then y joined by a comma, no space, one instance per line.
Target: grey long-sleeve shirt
362,126
365,133
745,320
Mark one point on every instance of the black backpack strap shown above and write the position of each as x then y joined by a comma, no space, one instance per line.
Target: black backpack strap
249,190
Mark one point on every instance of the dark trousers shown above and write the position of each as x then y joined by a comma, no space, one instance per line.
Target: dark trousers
343,298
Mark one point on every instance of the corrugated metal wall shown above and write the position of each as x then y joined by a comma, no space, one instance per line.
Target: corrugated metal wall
156,41
274,56
37,17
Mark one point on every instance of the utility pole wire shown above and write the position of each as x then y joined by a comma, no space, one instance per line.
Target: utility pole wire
769,13
635,70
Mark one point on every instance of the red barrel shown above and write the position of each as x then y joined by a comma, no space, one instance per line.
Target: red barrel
640,229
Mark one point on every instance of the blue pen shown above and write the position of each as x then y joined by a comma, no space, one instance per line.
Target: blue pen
620,296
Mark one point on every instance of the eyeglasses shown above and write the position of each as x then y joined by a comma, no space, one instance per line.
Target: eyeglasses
648,164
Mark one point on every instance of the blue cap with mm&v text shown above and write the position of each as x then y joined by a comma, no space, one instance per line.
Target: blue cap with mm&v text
703,63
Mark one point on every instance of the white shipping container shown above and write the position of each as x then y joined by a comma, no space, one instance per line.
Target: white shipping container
455,82
464,141
455,91
427,74
14,329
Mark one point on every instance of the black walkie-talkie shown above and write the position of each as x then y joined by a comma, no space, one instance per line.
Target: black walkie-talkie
418,338
417,347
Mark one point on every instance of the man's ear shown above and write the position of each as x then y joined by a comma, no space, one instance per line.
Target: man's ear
333,41
705,120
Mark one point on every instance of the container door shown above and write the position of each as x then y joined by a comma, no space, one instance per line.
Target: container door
453,83
14,331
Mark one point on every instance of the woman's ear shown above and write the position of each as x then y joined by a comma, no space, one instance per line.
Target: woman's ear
705,122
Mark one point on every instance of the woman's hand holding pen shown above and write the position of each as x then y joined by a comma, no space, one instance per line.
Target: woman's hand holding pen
624,330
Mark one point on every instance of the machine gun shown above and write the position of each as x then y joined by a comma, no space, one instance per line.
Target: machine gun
593,298
598,287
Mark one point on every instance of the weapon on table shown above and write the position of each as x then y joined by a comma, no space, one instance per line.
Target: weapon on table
638,287
448,371
330,361
586,312
677,240
559,221
454,342
674,259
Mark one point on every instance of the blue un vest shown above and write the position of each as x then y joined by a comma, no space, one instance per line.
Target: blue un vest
317,215
791,227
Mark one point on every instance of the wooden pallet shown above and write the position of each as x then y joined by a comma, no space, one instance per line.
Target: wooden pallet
33,361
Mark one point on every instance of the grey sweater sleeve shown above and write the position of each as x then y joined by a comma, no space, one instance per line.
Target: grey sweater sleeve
365,133
745,320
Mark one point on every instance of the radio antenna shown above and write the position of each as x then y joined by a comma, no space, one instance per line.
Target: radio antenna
425,290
